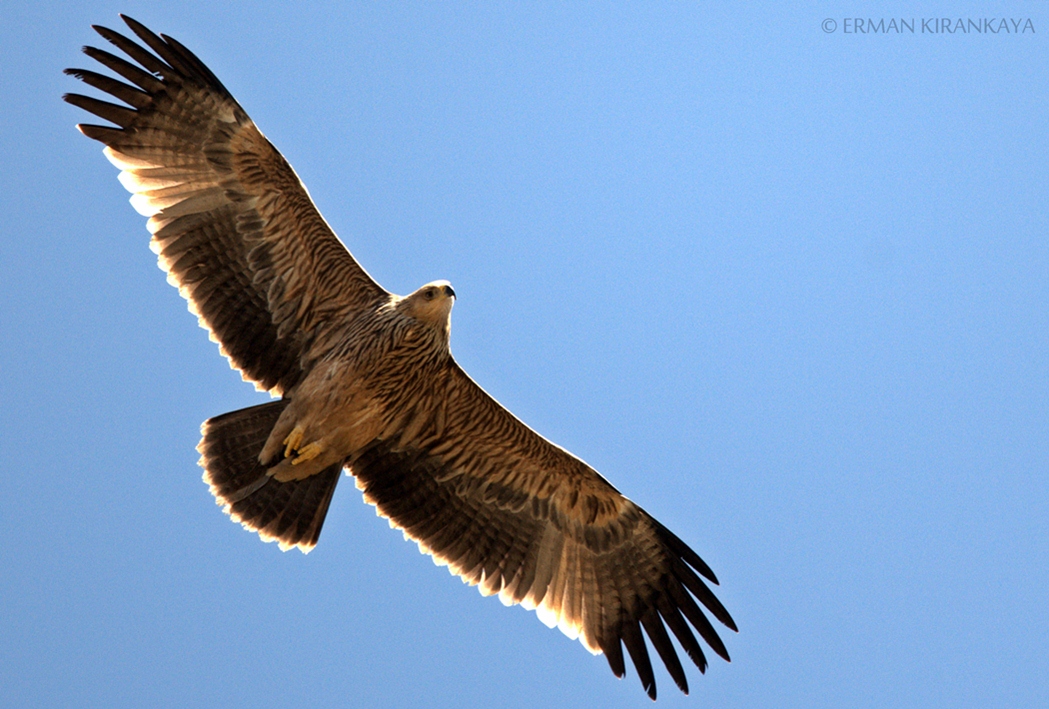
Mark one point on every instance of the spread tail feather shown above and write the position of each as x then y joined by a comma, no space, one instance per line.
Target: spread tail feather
290,513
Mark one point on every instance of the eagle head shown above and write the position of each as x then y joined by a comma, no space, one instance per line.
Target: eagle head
432,304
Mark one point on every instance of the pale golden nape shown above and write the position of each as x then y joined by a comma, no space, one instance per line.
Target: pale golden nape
367,384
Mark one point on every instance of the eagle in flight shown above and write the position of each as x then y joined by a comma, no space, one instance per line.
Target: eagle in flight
367,383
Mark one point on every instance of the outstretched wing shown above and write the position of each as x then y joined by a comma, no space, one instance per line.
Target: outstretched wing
232,224
509,511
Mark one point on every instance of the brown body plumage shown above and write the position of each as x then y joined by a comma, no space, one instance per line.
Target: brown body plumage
367,383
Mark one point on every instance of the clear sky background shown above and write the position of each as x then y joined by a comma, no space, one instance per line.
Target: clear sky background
787,289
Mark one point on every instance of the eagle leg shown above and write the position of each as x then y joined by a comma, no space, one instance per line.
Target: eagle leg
293,440
293,444
307,452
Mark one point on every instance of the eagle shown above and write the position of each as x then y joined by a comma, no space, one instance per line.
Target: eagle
363,380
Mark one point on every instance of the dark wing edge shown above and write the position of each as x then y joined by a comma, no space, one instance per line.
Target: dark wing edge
521,518
232,224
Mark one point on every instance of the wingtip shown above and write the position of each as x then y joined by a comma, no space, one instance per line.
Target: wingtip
682,685
104,32
137,27
721,650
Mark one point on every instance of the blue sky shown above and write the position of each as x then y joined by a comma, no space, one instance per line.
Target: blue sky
786,288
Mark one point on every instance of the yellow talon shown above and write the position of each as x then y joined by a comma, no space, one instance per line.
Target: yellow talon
307,453
293,440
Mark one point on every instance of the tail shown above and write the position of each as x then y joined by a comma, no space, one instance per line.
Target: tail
289,513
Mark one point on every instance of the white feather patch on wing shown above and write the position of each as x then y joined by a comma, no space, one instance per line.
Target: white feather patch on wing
122,161
135,181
